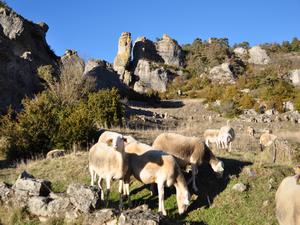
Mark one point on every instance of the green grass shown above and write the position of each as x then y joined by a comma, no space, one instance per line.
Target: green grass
226,206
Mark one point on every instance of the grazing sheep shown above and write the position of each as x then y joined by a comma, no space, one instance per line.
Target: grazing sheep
152,166
288,201
266,140
226,136
212,136
108,162
188,151
250,131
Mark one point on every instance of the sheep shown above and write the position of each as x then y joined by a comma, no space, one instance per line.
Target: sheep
226,136
266,140
250,131
212,136
152,166
188,151
108,162
106,135
287,200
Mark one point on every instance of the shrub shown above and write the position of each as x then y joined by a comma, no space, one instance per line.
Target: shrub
46,123
246,102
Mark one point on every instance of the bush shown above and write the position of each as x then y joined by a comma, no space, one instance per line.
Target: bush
246,102
46,123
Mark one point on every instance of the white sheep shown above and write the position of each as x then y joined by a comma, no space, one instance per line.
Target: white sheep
152,166
287,200
188,151
212,136
226,136
106,135
108,161
250,131
266,140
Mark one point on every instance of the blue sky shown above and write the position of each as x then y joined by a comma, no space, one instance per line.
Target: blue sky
92,27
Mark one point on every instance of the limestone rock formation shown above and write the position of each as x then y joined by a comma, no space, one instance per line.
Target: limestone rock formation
104,75
23,49
123,57
222,74
294,76
71,62
170,51
258,56
145,49
151,76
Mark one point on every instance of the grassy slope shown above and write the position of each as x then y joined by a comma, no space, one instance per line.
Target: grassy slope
226,205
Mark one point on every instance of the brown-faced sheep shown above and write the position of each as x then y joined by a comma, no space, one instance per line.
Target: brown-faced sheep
152,166
288,201
188,151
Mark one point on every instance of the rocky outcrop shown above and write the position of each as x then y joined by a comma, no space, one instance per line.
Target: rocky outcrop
222,74
23,49
145,49
71,63
241,52
122,60
294,77
104,75
170,51
151,76
259,56
80,201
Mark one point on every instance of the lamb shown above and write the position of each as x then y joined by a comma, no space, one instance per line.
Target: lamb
287,200
250,131
188,151
108,162
152,166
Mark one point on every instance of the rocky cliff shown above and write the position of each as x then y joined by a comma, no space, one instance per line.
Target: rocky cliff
23,49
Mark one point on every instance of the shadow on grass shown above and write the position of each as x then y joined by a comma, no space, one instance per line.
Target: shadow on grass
160,104
210,186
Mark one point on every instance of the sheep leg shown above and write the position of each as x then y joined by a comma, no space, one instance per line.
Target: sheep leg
121,194
161,196
100,187
274,153
107,191
194,173
229,149
92,172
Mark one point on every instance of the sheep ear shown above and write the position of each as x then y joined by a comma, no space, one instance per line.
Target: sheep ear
109,142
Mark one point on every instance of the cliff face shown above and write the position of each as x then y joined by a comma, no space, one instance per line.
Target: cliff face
23,48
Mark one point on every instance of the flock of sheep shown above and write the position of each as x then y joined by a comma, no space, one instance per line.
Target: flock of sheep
118,157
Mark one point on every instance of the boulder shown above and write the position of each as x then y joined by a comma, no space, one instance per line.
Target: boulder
84,198
259,56
170,51
241,52
55,153
141,215
38,206
123,57
222,74
151,76
5,192
294,76
31,186
240,187
103,216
